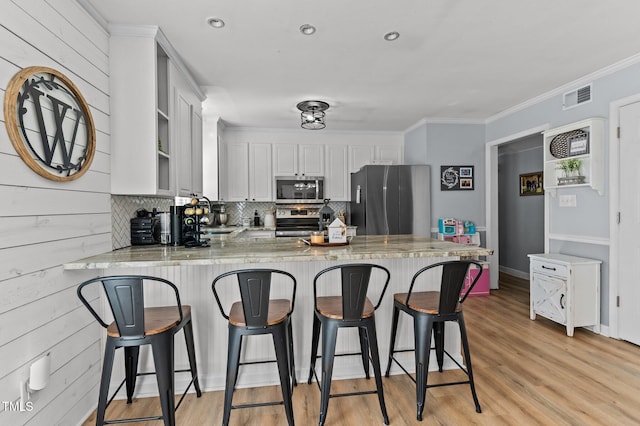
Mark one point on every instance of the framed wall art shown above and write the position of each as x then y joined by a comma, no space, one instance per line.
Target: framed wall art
531,184
455,178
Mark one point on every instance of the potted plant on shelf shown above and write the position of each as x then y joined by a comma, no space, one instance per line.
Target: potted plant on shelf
571,169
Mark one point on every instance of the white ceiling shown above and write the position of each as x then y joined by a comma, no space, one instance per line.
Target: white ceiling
455,59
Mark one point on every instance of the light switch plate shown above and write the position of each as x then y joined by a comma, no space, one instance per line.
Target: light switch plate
567,200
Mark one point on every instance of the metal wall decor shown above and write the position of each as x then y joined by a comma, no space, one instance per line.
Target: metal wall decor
453,178
49,123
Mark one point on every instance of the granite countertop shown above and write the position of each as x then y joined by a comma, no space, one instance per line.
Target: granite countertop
287,249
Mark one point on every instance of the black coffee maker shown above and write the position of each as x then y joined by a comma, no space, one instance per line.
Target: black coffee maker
177,218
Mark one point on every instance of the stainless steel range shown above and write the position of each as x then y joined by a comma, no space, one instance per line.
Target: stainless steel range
297,221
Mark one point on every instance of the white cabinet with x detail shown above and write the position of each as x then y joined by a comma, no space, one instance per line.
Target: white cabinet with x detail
565,289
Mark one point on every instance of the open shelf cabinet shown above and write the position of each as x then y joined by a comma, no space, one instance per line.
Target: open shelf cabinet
582,141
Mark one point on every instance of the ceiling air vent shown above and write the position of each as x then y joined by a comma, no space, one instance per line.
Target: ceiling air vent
576,97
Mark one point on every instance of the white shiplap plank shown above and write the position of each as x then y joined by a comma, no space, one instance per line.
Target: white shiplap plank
42,38
58,24
22,175
29,347
28,201
78,17
60,408
23,230
29,288
28,318
82,369
23,55
60,354
23,260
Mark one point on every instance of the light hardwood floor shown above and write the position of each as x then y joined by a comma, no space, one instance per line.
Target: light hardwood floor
527,373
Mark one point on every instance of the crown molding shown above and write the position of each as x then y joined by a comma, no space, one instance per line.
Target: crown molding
603,72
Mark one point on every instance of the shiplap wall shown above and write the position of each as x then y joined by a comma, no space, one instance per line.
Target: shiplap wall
44,224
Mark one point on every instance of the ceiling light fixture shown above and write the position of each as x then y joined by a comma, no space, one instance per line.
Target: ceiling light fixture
215,22
307,29
312,115
393,35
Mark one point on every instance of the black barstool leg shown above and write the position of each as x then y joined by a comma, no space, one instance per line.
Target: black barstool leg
422,337
394,329
282,357
329,337
364,351
131,354
191,352
292,362
162,348
314,346
107,367
467,359
375,358
438,334
233,356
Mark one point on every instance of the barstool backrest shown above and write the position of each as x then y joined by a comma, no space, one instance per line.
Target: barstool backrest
452,280
355,280
125,294
255,292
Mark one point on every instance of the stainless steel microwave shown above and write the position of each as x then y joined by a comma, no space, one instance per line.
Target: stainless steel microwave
299,189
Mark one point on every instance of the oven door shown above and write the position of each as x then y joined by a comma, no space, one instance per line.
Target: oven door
290,189
298,227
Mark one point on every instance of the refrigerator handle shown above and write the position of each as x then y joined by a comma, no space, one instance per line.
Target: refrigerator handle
358,194
384,199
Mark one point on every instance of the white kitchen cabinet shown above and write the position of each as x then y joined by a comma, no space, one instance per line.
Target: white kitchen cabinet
196,154
388,154
336,174
565,289
361,155
260,174
298,160
187,139
581,141
248,174
144,153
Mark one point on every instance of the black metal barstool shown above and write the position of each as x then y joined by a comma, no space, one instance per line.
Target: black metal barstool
430,310
352,308
257,314
136,325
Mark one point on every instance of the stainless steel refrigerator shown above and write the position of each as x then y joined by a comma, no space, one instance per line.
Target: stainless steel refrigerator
389,200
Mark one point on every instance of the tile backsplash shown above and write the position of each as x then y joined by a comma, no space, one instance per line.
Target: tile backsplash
124,207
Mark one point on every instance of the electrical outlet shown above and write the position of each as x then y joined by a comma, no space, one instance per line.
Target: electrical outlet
567,200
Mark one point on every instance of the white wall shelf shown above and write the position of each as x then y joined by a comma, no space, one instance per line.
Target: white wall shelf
557,149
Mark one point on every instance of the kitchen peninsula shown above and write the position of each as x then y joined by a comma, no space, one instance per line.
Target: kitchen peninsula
193,270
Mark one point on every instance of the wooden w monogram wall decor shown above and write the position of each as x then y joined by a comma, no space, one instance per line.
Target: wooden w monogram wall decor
49,123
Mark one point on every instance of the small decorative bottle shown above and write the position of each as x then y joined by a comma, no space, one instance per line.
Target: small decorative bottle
256,219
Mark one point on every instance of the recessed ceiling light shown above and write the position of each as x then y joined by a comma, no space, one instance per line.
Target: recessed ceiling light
307,29
393,35
215,22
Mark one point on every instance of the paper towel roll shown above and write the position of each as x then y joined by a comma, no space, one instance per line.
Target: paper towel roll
39,373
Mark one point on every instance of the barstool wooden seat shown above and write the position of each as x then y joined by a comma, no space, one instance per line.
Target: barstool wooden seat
257,314
135,325
352,308
430,310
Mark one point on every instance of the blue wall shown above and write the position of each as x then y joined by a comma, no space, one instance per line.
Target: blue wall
439,144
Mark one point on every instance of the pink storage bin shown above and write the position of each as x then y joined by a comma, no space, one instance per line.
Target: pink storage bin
482,286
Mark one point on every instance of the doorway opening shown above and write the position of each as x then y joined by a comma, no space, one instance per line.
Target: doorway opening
526,141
